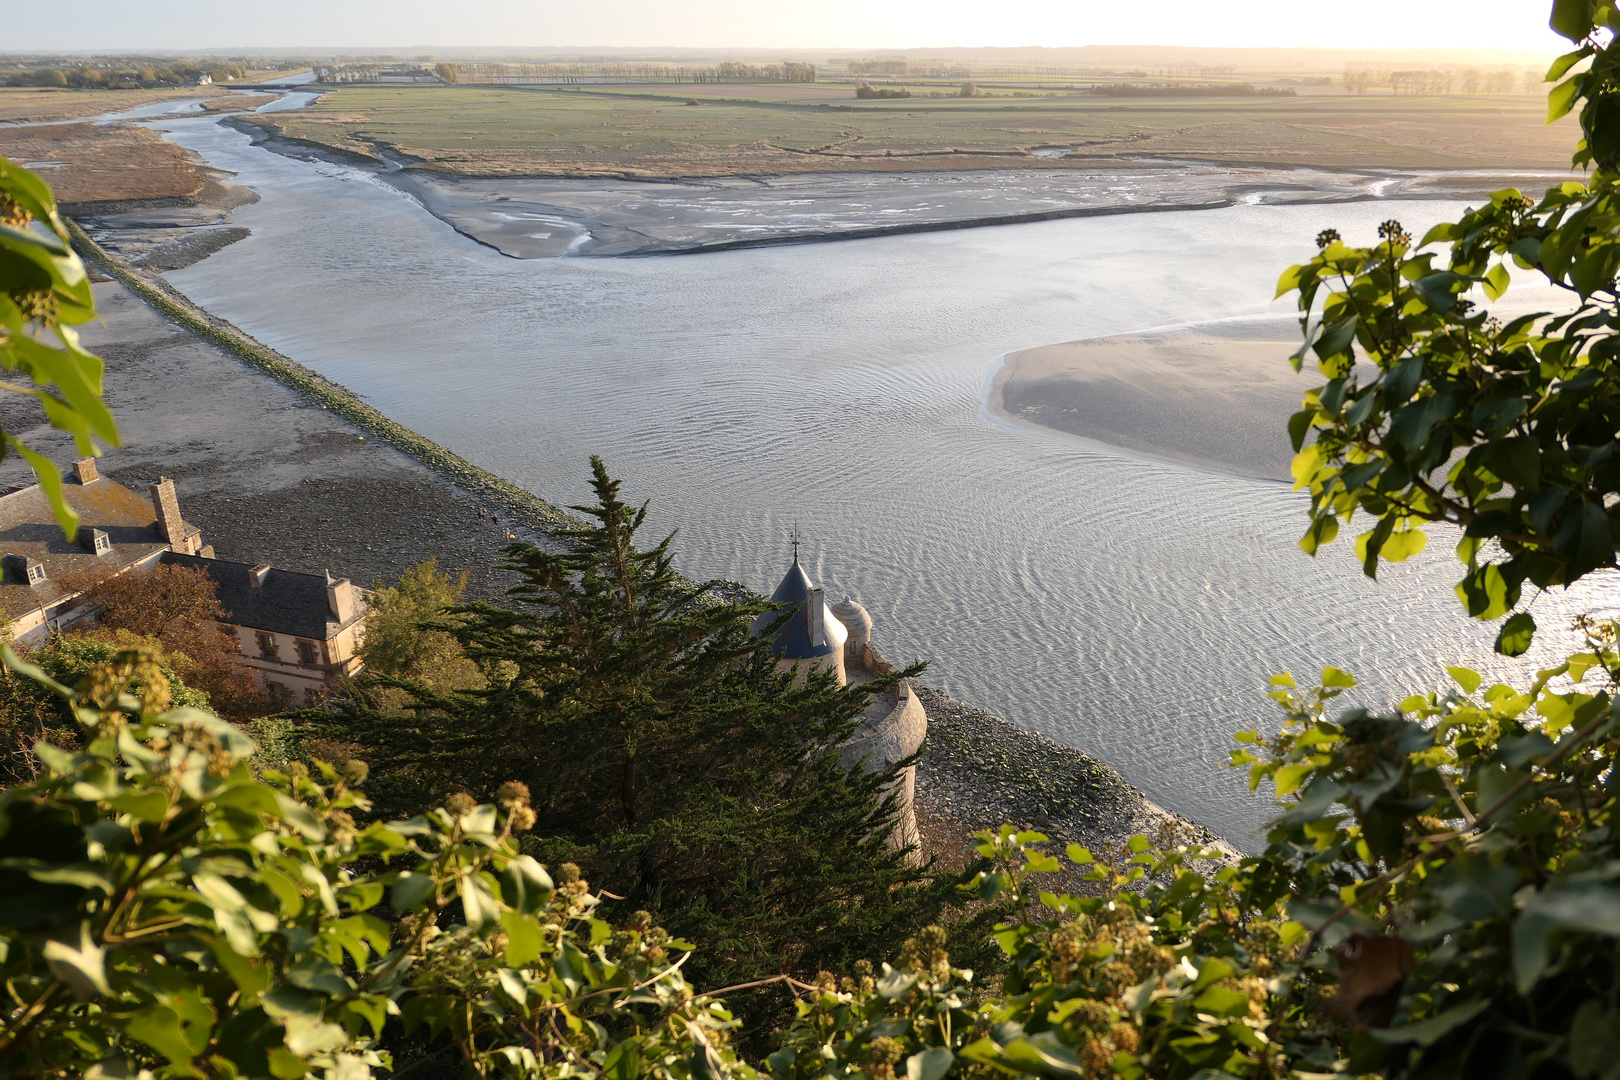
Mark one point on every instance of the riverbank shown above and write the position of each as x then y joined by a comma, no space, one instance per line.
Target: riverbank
271,471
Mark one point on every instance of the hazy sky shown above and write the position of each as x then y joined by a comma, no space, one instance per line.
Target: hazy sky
395,24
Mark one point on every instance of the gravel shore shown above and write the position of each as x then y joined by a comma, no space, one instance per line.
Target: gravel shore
979,771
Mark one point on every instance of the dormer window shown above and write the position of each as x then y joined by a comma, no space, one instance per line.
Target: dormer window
22,570
94,540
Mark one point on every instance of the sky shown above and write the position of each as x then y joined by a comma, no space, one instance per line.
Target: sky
117,25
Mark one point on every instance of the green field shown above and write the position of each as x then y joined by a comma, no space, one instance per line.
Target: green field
653,131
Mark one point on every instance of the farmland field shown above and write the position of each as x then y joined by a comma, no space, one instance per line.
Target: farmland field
31,104
488,131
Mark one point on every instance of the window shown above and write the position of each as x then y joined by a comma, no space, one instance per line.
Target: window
307,654
267,646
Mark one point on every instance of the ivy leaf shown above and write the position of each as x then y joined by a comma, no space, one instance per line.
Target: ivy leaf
80,964
1571,19
1430,1031
1439,291
930,1064
1516,634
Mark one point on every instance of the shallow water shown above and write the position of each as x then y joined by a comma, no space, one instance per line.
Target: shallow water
1125,606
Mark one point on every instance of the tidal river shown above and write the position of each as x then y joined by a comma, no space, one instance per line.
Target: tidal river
1128,607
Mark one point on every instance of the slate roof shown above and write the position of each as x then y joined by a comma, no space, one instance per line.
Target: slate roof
286,603
28,528
793,639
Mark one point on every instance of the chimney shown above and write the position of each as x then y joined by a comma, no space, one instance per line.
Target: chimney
815,610
339,598
85,470
257,575
167,508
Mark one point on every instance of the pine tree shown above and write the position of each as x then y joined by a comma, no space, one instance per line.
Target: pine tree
667,755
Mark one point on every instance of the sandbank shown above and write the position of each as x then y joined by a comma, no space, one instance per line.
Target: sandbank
1215,397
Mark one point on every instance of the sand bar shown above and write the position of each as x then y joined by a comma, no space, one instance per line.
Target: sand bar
1216,397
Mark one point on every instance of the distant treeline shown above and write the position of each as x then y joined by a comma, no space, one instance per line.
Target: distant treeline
1191,90
569,74
866,91
1435,81
125,74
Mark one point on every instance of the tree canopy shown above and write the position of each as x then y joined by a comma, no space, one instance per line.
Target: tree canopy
1505,430
681,769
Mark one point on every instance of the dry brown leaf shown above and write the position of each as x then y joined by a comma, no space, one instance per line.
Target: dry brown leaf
1371,970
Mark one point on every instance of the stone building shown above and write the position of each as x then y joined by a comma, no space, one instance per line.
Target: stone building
838,638
45,573
296,632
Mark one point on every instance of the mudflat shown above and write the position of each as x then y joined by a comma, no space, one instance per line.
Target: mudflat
1215,397
528,217
267,475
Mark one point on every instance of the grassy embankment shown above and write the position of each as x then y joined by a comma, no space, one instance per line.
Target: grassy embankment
499,131
528,507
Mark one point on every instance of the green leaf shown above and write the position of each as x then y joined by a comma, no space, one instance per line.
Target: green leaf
1516,634
1430,1031
1299,425
1484,593
1560,67
1562,98
79,963
410,891
1571,19
1335,338
1288,777
1496,281
1594,1041
1333,678
524,938
159,1027
1438,291
624,1060
930,1064
1467,678
1219,1001
525,884
1212,971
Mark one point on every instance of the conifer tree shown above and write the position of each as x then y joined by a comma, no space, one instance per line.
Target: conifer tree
666,754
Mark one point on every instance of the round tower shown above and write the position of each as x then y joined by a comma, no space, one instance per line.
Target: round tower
858,622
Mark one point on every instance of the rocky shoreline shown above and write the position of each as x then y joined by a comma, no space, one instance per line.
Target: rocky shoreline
979,771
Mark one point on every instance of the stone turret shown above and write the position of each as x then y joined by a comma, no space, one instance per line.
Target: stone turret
839,638
811,638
